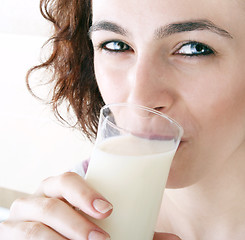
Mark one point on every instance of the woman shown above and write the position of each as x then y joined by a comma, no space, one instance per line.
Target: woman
183,58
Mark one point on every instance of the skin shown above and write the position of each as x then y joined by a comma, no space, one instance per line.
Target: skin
200,85
198,92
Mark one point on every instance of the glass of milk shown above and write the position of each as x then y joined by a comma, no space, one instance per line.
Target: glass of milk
129,166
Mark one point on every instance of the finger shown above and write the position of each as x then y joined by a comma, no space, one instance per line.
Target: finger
27,230
55,214
165,236
75,190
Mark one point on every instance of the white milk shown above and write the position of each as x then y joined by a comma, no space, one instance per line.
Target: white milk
127,173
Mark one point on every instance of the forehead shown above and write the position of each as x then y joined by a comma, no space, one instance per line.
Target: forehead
143,13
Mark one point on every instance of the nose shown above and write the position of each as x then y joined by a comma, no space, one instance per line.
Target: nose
150,83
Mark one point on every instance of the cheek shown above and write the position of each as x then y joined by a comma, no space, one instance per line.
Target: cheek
217,129
220,113
111,81
217,105
217,97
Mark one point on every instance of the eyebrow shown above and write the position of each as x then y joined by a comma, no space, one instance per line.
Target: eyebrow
189,26
170,29
107,26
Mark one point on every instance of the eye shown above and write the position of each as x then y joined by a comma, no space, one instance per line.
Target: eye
115,46
194,49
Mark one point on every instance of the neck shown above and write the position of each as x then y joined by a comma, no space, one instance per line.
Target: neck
213,208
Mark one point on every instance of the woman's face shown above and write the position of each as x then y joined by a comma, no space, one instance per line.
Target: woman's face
185,59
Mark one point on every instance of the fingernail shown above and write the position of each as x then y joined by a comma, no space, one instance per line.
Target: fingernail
95,235
102,206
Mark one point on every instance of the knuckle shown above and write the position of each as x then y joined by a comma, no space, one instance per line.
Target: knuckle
49,205
31,230
7,230
17,203
4,228
20,230
44,181
65,177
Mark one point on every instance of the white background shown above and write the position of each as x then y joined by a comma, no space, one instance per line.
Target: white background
33,144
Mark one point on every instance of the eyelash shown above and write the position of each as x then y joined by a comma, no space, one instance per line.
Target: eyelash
104,46
202,49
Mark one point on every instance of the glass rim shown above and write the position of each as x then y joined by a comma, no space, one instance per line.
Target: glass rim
123,104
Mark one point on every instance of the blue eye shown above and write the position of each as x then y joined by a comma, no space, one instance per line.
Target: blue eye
195,49
115,46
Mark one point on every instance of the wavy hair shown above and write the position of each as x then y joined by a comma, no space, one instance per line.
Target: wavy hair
70,62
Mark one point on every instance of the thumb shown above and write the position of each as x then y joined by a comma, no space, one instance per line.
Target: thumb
165,236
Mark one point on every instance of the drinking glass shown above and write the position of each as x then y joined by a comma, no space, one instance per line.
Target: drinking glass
129,166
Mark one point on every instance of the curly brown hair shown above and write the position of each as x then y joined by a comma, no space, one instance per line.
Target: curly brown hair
71,63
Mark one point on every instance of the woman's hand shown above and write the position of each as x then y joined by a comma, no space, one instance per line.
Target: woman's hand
57,211
165,236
